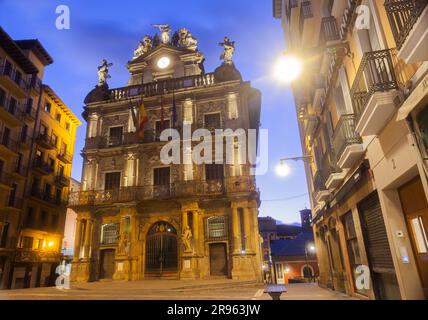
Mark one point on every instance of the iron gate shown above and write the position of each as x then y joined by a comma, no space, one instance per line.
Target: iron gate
161,250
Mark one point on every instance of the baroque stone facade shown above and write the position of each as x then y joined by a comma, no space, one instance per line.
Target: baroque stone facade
138,218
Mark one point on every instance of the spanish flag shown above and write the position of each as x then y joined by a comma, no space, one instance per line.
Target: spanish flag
143,119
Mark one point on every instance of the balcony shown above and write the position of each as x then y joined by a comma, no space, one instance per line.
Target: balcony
13,82
8,147
47,197
320,191
62,180
329,31
183,189
347,143
20,172
306,15
14,203
11,112
409,24
42,167
375,92
46,141
319,93
6,181
65,157
163,87
25,141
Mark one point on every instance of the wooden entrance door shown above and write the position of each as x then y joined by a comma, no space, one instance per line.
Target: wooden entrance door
415,208
218,259
107,264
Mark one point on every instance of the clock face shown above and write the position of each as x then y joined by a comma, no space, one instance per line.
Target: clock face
164,62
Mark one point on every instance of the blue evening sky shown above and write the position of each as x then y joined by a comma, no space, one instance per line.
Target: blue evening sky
112,30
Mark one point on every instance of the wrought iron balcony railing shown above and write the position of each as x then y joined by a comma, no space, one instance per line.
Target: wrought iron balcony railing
402,15
10,144
42,166
6,179
15,76
305,13
163,86
65,156
375,74
173,190
12,106
345,134
46,141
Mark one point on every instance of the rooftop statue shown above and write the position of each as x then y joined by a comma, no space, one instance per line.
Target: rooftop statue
229,50
145,46
187,40
165,30
103,74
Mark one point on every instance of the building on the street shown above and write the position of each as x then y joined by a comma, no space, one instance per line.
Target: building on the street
138,218
70,225
361,104
271,229
35,147
295,260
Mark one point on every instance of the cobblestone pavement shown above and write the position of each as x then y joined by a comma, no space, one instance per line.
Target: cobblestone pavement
170,290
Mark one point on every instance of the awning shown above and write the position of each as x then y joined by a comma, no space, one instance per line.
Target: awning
417,95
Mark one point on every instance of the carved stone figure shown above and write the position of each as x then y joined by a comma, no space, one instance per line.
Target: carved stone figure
187,40
186,237
103,74
145,46
229,50
165,30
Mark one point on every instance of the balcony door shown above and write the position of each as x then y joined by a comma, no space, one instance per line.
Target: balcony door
161,181
112,181
115,136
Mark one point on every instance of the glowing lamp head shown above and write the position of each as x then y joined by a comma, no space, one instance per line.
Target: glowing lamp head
287,69
50,244
164,62
282,169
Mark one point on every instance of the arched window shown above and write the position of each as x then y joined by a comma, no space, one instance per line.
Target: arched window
109,233
216,228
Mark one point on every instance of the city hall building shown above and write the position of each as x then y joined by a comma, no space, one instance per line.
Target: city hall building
138,218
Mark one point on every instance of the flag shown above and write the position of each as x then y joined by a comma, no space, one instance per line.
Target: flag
162,119
143,119
174,111
134,115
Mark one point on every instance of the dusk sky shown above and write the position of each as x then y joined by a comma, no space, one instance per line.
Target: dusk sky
112,30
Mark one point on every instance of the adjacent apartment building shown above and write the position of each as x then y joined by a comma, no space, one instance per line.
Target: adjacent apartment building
37,132
362,110
138,217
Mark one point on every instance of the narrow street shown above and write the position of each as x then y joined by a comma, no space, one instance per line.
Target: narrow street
170,290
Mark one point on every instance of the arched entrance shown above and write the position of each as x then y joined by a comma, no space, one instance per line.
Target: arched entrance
161,250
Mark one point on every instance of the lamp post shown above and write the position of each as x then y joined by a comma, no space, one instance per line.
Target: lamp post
311,248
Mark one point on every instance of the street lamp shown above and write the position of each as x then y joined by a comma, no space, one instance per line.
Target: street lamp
287,68
283,170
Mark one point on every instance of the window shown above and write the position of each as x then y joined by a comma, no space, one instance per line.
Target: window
352,245
7,68
18,163
58,117
48,191
29,106
161,176
216,228
24,132
18,77
109,233
212,121
67,126
30,219
6,135
48,107
112,180
115,136
40,244
35,186
63,150
4,228
159,127
51,163
54,221
2,97
422,120
12,196
60,170
214,172
27,242
43,130
12,105
54,140
58,194
44,219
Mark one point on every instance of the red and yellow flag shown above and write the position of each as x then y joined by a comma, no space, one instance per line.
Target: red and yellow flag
143,119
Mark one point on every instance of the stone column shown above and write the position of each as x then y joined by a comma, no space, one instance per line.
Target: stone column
78,240
195,231
248,230
87,242
236,228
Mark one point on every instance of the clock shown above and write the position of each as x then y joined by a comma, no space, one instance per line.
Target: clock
163,62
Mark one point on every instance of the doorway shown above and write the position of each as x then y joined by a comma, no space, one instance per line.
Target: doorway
107,264
415,208
218,259
161,250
